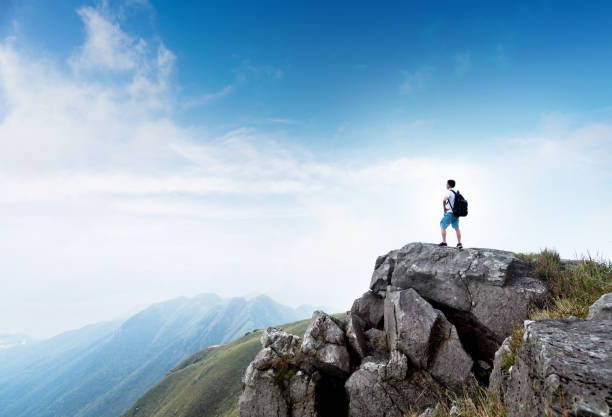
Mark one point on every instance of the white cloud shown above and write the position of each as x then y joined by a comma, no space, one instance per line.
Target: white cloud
106,46
416,80
107,202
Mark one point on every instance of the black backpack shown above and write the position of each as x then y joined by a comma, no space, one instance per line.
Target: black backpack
460,206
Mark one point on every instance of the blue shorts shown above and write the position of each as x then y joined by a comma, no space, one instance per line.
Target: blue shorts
449,219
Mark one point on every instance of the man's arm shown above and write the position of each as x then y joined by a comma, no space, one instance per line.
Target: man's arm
444,204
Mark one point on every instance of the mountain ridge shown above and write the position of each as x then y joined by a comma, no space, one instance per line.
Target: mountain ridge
101,369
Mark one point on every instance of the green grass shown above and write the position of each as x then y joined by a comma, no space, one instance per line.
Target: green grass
206,384
475,402
574,287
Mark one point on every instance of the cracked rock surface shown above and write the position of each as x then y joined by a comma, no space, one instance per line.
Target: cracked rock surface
324,345
564,368
483,292
390,389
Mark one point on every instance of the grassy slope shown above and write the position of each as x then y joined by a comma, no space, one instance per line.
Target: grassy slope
208,383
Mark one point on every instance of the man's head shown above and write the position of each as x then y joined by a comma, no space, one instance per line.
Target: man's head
450,184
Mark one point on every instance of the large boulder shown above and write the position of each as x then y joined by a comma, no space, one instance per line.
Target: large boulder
426,337
450,364
602,308
564,368
324,345
483,292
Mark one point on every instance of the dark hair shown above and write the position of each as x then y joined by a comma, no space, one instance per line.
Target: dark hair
451,183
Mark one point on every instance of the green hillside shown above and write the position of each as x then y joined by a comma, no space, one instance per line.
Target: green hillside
207,383
100,370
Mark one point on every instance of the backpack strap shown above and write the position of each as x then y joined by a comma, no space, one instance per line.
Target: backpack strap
449,203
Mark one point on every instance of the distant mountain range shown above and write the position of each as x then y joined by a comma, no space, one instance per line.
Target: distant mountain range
207,384
100,370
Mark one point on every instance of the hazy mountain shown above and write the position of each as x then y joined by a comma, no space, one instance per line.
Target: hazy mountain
100,370
207,384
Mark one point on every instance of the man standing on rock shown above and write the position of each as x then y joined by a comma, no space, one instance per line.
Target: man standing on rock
449,219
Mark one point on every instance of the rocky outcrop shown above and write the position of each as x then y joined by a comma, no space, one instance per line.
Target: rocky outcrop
273,384
483,292
431,313
602,308
294,377
324,345
564,368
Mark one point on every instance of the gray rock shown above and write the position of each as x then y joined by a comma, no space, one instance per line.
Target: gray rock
324,345
451,365
376,346
375,340
370,308
302,395
410,324
355,335
498,380
277,344
374,390
602,308
261,395
383,270
273,385
483,292
279,340
421,332
564,368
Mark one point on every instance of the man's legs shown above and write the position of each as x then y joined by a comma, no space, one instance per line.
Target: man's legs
458,234
443,234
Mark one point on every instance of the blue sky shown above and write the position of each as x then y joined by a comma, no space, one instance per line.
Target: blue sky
472,70
156,149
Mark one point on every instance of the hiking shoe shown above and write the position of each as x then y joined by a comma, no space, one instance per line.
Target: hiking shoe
459,245
442,244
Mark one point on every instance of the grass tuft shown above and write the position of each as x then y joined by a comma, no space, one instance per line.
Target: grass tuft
574,286
516,340
478,402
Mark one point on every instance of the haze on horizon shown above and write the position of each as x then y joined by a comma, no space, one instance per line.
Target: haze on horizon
150,150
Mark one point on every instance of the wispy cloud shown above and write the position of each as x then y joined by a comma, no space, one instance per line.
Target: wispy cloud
416,80
107,46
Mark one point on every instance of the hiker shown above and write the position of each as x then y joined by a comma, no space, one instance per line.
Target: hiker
449,218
